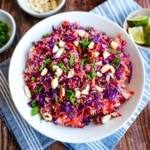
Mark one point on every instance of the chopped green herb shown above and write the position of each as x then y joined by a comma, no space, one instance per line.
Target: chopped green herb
116,61
71,60
33,43
46,35
114,51
66,70
46,61
51,65
34,111
38,89
34,103
61,65
94,65
56,98
41,67
118,52
91,75
85,61
65,52
89,28
35,108
85,42
33,78
57,43
4,36
71,96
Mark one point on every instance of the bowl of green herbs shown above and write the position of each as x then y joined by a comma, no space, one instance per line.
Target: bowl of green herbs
7,30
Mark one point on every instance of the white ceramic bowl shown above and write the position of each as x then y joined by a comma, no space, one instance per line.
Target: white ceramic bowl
27,9
9,20
141,11
67,134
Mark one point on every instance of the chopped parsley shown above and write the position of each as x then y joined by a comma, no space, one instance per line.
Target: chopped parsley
85,42
116,61
85,61
71,60
91,75
46,35
35,108
70,96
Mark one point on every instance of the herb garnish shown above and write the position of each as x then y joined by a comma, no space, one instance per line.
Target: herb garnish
35,108
71,60
116,61
91,75
85,42
71,96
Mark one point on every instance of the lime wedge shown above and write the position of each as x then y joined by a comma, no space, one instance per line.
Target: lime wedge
147,35
137,34
138,20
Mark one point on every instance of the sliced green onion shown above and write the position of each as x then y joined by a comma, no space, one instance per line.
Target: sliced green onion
33,78
85,42
35,108
85,61
61,65
46,35
91,75
116,61
71,60
71,96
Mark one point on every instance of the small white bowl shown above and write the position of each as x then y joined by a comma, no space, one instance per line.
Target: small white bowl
141,11
24,6
9,20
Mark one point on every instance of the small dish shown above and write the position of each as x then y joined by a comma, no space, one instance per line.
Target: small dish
141,11
7,18
24,6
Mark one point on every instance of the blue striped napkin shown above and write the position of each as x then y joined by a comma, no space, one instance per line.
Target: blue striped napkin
28,138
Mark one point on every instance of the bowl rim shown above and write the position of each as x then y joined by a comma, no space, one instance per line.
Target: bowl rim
41,15
131,15
8,44
13,60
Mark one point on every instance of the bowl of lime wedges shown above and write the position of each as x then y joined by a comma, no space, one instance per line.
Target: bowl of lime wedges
137,25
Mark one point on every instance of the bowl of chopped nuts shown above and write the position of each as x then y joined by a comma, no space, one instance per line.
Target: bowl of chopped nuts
7,30
41,8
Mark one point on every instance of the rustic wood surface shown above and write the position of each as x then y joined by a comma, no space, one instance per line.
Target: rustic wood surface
138,135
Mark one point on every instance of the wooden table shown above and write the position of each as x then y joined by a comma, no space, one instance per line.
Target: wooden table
138,135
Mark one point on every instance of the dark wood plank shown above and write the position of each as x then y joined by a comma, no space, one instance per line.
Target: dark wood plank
138,135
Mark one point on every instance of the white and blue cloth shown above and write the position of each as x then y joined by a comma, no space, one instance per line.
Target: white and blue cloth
30,139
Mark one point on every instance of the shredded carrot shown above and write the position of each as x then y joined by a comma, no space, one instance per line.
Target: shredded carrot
132,92
120,36
79,74
60,94
93,82
63,119
65,24
119,114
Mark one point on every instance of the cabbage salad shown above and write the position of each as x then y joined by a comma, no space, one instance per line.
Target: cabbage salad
75,76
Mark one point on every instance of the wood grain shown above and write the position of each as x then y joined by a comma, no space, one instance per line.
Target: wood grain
138,135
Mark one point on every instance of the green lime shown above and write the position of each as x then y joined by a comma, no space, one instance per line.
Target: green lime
137,34
147,35
149,22
138,20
